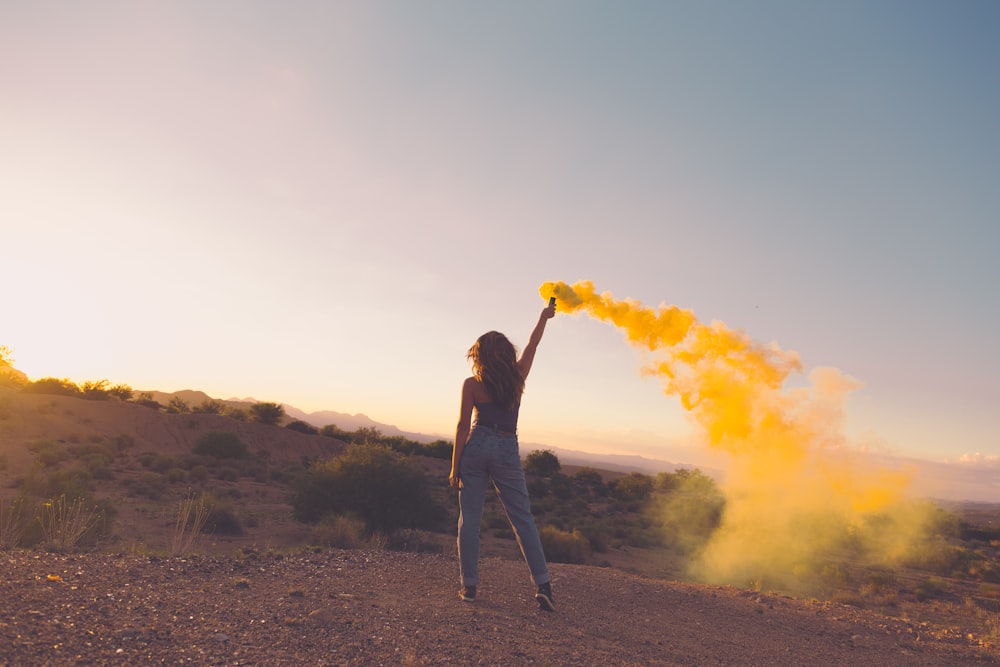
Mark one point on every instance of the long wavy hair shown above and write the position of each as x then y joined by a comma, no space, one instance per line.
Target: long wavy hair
494,363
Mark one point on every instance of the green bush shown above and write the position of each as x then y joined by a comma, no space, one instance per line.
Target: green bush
302,427
561,546
372,482
439,449
210,407
48,453
148,484
222,445
52,386
177,406
590,481
334,431
43,482
632,488
542,462
266,413
222,518
929,588
95,390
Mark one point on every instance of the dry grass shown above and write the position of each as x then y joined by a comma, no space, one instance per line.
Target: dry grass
192,513
64,522
10,523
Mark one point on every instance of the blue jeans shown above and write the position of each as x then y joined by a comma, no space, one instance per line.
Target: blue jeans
491,455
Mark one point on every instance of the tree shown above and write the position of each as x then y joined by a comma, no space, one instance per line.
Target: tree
542,462
266,413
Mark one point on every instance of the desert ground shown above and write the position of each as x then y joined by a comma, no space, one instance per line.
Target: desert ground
358,607
264,597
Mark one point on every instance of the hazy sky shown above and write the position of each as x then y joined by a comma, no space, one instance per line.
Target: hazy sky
325,203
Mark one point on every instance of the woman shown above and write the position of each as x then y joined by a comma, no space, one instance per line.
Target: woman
490,453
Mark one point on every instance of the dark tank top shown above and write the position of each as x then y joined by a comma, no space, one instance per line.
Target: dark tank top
495,415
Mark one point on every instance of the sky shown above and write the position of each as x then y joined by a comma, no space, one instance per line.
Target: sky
324,204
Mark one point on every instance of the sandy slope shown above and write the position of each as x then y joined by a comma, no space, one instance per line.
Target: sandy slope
388,608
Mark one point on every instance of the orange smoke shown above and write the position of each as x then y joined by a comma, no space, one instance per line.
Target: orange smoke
792,486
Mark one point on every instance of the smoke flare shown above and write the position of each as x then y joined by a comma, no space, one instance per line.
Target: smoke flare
794,490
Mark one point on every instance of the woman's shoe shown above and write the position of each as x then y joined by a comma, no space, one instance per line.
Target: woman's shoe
544,597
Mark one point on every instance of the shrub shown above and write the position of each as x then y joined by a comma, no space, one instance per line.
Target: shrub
439,449
929,588
342,532
222,517
564,547
632,488
374,483
537,488
591,481
302,427
145,399
177,405
95,390
333,431
148,484
222,445
65,522
266,413
542,462
48,453
72,482
210,407
156,461
53,386
122,392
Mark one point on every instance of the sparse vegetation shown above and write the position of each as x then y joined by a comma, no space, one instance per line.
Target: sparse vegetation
65,522
10,523
222,445
189,521
53,386
302,427
565,547
378,495
266,413
176,405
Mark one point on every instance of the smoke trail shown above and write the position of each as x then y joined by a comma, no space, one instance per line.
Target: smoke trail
794,491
